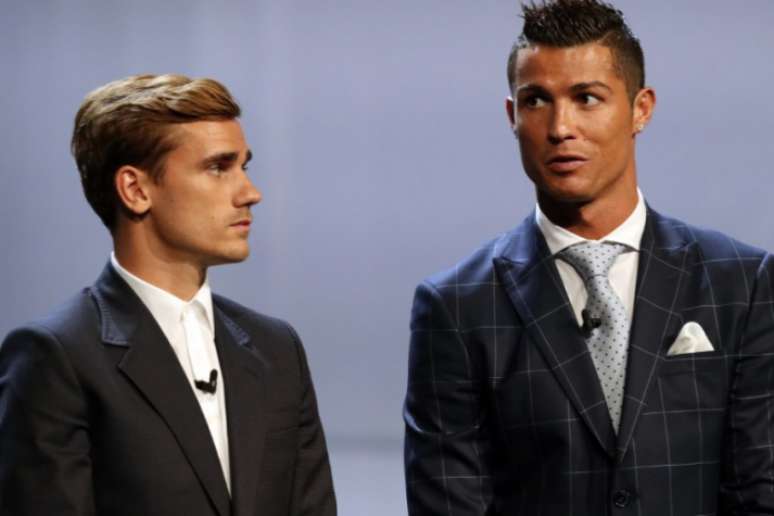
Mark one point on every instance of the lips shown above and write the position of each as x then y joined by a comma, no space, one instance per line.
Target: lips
244,223
565,162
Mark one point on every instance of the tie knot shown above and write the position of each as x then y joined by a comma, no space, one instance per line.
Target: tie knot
194,311
592,259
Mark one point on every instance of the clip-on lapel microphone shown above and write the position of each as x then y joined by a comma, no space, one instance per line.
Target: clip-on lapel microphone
208,387
589,322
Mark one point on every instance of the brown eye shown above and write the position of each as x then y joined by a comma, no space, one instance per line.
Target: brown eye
534,101
216,169
589,100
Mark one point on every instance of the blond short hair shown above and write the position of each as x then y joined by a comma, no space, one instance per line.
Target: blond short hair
131,122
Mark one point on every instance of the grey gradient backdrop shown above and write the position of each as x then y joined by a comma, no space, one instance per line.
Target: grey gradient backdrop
383,153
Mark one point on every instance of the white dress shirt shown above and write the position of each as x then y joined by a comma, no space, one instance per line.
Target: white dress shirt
189,328
623,273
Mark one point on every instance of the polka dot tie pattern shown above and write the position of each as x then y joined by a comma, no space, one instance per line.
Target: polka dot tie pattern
608,342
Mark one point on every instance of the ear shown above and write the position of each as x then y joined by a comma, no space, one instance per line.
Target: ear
509,110
132,186
642,112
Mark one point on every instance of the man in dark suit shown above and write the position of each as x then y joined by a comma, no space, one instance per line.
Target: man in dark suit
145,394
600,358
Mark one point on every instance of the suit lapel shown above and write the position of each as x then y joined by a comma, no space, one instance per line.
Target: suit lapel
665,258
244,375
151,365
533,285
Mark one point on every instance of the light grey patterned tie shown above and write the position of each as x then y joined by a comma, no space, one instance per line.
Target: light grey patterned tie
605,320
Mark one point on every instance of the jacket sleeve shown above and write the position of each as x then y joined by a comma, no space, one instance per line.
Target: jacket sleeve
747,486
447,449
312,483
45,467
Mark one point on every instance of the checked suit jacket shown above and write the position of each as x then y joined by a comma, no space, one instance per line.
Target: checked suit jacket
505,415
97,418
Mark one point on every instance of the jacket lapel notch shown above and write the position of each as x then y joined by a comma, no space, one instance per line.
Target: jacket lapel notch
533,285
150,364
665,259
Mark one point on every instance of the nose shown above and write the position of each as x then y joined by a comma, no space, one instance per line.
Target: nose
249,194
561,127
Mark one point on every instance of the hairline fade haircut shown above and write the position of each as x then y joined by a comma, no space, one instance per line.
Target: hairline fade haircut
132,121
569,23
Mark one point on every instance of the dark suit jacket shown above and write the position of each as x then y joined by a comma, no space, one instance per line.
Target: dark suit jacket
97,417
505,414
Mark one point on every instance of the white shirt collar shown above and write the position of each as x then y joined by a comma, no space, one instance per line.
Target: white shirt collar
628,233
166,308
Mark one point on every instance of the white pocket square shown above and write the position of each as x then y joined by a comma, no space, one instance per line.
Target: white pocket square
691,339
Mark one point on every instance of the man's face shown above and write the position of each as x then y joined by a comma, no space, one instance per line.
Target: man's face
200,208
575,123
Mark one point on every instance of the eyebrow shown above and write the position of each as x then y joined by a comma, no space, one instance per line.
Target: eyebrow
581,86
531,88
225,157
589,85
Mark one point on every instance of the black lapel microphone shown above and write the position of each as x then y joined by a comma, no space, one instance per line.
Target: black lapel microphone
589,322
210,386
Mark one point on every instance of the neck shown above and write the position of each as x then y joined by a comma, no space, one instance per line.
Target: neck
593,219
174,274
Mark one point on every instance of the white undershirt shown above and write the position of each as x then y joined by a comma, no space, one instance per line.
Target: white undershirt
197,355
623,273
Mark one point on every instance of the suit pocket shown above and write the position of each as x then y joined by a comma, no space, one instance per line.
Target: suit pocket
696,381
691,362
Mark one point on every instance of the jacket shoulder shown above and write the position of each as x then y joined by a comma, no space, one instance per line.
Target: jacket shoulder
273,339
53,346
477,267
68,322
263,330
241,313
713,245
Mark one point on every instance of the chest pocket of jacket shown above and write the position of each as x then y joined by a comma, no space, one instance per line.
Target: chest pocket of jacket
697,382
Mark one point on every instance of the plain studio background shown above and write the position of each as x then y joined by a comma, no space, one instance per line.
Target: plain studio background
383,154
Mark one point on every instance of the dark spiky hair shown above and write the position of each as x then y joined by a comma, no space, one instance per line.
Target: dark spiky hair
569,23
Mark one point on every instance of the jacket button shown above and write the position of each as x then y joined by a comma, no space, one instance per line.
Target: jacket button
622,498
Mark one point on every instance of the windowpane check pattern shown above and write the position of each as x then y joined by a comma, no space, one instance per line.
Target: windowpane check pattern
505,413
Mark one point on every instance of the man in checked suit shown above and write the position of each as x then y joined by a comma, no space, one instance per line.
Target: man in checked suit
600,358
146,394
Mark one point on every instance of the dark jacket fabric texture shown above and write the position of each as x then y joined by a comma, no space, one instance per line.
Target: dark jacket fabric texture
98,418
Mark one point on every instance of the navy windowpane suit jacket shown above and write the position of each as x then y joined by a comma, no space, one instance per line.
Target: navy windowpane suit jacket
505,415
97,418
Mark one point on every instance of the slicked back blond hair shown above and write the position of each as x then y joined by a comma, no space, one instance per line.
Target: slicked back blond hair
132,121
